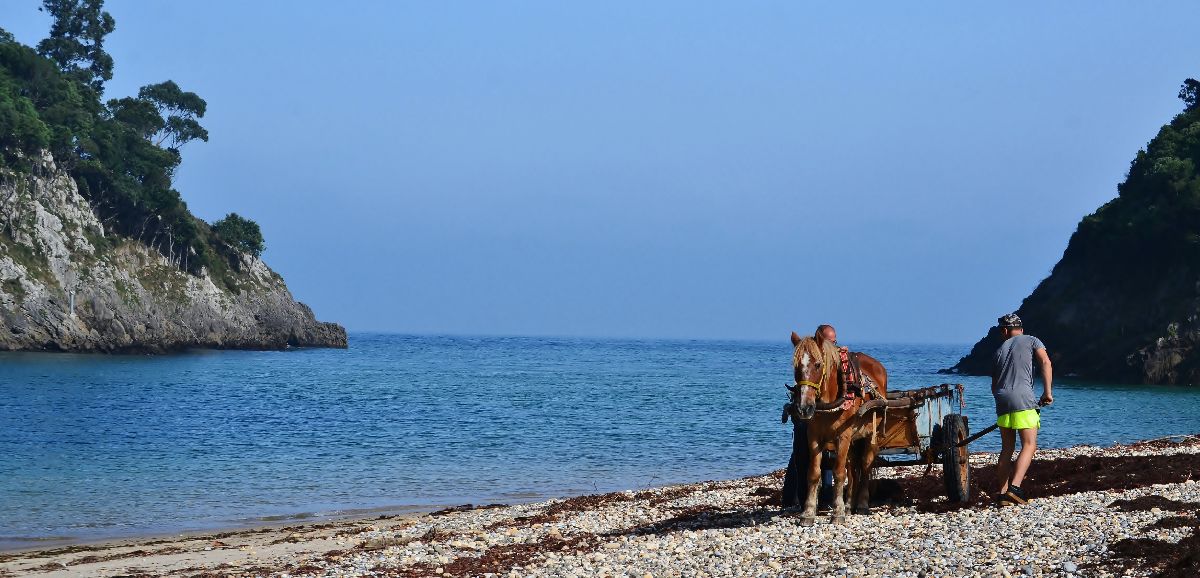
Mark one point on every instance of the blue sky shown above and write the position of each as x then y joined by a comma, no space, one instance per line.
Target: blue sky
904,171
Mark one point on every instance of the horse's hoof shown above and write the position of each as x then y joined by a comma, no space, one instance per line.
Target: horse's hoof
863,510
839,520
807,520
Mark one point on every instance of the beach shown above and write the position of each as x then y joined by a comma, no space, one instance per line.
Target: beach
1122,510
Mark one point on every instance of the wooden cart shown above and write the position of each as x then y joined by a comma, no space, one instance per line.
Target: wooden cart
918,427
926,426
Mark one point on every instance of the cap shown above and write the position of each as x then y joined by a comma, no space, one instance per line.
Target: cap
1010,320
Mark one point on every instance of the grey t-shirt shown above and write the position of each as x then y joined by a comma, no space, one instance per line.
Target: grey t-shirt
1013,367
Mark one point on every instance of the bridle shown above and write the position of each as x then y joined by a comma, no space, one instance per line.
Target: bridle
820,406
824,376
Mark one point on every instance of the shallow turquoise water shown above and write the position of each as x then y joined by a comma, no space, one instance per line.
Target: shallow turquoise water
99,446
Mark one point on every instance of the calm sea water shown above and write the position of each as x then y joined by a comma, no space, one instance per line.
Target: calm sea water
101,446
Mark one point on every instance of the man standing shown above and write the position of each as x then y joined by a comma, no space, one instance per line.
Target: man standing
1016,406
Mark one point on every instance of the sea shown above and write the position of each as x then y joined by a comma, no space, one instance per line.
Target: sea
95,447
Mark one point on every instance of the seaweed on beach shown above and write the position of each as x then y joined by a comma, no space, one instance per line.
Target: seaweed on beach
228,570
137,573
653,497
769,496
1063,476
1169,559
1171,441
49,567
497,559
464,508
699,518
557,510
1151,501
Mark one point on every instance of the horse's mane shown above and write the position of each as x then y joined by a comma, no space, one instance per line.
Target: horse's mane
826,350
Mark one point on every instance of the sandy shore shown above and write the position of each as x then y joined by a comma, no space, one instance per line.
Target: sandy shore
1122,510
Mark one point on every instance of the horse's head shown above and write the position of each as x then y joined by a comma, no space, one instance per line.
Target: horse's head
814,364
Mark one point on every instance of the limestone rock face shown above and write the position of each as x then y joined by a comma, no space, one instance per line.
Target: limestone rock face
127,297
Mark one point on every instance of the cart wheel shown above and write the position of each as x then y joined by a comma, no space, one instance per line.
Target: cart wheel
956,465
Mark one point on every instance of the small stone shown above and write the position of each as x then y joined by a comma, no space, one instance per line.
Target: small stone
1069,567
1027,569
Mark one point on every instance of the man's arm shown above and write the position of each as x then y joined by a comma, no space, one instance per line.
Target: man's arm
1047,376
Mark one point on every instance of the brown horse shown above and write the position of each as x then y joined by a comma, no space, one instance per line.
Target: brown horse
834,423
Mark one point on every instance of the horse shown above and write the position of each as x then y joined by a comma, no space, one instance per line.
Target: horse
834,423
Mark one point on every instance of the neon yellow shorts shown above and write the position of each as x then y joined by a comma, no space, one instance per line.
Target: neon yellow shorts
1024,419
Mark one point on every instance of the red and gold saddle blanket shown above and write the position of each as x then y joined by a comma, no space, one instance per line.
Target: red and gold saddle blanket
854,382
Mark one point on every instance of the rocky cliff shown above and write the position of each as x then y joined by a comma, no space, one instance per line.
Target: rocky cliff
66,285
1123,303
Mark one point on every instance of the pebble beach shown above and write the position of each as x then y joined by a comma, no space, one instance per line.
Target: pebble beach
1126,510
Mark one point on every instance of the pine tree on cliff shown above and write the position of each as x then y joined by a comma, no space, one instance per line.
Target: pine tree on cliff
76,41
1123,303
123,152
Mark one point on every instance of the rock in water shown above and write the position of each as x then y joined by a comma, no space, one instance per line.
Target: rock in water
127,296
1123,303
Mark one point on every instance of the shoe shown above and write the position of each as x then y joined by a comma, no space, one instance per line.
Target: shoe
1015,495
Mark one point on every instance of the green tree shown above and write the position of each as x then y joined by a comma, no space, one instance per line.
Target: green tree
122,156
1189,93
58,101
76,42
178,110
22,131
240,233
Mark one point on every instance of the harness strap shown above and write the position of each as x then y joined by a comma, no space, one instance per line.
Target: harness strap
811,384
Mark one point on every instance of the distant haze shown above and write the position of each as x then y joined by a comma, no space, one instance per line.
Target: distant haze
904,171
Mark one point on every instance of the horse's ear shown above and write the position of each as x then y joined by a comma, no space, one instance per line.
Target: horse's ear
820,339
795,339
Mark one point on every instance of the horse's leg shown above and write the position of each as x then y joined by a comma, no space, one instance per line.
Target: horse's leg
863,503
855,478
839,481
809,515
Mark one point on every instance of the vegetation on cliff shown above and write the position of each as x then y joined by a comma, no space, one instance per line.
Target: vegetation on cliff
1128,285
123,152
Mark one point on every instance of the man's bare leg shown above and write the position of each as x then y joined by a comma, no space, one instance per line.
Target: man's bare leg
1028,446
1008,441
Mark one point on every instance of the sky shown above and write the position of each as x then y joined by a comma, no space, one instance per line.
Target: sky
905,171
